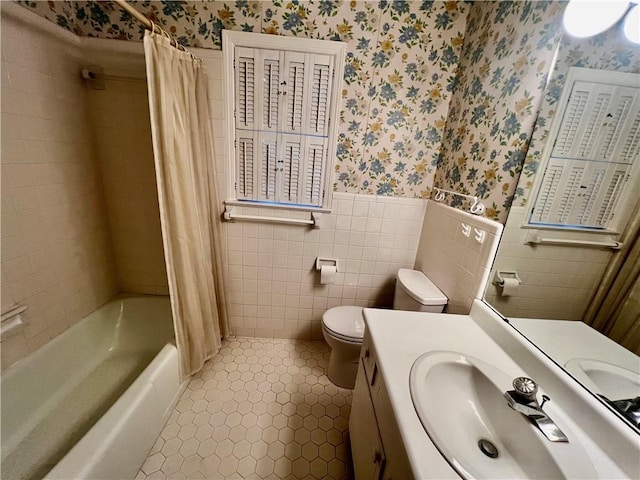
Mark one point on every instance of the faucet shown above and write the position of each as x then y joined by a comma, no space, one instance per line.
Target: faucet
523,400
630,408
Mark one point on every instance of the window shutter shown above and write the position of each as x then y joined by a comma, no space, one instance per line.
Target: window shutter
315,171
546,195
595,146
245,66
578,193
599,123
321,86
295,71
268,167
611,197
245,164
291,173
631,143
270,64
288,111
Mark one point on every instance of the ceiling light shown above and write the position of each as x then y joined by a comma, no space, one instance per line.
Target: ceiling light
632,24
585,18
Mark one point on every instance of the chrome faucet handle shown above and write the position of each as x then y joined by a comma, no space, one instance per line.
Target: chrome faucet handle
526,387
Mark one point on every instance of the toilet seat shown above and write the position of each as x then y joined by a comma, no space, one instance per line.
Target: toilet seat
345,323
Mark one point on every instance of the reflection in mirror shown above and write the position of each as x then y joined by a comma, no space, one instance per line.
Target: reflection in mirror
571,290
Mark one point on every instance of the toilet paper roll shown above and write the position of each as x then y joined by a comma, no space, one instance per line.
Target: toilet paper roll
328,274
509,287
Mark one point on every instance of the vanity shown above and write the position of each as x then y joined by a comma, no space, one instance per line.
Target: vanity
431,405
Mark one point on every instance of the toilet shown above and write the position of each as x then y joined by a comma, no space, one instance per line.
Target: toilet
343,327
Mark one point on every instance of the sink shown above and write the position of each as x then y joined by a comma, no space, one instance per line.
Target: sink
612,381
460,402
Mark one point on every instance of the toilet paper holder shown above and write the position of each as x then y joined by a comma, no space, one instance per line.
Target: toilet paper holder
326,262
501,275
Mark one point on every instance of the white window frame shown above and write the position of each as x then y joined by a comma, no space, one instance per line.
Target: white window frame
233,39
630,194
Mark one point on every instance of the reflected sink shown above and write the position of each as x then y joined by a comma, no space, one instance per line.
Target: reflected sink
460,402
612,381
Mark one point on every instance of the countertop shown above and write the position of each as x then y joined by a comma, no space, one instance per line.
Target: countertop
399,338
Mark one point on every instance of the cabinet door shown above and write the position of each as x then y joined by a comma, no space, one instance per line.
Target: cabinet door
366,445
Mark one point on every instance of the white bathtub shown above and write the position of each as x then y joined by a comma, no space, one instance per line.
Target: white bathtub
91,403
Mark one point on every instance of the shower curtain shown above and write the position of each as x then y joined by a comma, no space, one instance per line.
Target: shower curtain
184,161
615,307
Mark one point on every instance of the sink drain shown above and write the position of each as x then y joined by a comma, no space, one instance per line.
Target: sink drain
488,448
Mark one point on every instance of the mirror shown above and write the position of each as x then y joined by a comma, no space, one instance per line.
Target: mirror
554,291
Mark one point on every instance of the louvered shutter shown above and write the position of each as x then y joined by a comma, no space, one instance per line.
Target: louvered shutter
591,158
292,155
270,64
290,120
246,179
321,78
315,170
245,88
600,122
296,76
268,167
578,193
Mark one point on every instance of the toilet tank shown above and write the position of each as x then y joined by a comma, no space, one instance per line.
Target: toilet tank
415,292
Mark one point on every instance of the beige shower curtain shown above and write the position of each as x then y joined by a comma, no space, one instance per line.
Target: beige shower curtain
615,307
183,151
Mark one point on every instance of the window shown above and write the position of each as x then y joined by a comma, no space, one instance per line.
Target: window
592,154
282,100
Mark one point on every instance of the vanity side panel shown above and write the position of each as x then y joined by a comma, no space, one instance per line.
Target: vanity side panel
366,445
397,466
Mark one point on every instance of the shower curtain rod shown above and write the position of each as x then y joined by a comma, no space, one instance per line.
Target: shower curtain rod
134,13
148,24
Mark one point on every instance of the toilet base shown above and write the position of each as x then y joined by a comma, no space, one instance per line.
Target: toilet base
343,363
342,371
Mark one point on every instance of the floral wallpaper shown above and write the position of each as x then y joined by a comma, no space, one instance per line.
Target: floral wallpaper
398,85
608,51
401,66
507,54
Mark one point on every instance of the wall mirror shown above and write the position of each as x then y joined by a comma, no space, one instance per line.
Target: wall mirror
561,279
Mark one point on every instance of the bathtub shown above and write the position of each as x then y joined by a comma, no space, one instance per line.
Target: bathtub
91,403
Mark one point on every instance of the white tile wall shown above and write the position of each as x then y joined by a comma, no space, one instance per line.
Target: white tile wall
122,132
274,289
557,281
459,265
56,253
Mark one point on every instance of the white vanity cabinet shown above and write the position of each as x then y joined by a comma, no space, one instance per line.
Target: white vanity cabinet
377,448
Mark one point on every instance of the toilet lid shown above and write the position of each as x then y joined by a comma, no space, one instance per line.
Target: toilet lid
345,321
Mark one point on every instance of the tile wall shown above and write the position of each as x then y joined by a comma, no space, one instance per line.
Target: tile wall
458,264
274,289
56,251
557,282
122,133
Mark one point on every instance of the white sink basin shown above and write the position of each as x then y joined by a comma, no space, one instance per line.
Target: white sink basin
460,401
612,381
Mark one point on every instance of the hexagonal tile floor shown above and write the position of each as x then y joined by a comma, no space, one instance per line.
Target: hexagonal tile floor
260,409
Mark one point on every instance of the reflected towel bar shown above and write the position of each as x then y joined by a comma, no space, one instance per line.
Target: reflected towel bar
477,207
313,222
572,243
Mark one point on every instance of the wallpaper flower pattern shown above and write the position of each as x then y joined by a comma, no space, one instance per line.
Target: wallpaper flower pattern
608,51
401,66
508,50
408,116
